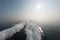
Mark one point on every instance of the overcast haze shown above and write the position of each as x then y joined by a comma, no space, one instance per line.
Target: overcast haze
17,10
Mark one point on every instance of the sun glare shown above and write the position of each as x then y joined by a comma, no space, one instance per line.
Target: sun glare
38,6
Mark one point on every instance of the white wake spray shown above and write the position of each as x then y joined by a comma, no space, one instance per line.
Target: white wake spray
5,34
33,32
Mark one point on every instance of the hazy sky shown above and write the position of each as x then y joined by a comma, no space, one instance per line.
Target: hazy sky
36,10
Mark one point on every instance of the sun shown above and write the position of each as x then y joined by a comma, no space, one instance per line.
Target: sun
38,6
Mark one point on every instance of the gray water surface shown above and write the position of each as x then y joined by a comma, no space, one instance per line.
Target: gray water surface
51,32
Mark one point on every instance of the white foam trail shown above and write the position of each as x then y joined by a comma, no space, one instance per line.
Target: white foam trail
9,32
32,31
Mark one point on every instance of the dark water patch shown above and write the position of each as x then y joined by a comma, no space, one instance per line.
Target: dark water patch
52,32
21,35
4,26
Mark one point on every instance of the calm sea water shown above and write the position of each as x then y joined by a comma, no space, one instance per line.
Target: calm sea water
52,32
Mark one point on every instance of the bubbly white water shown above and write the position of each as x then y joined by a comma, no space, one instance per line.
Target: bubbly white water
33,32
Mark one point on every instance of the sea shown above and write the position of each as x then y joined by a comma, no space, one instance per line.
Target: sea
51,32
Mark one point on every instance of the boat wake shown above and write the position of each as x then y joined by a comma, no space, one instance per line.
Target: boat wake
32,31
